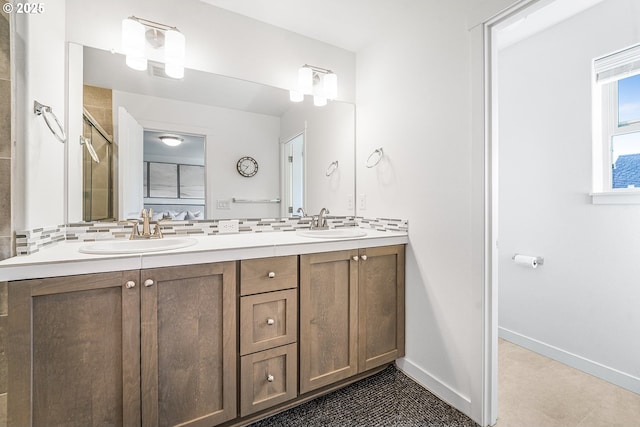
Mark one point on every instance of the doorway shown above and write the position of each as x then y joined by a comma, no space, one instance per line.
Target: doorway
540,179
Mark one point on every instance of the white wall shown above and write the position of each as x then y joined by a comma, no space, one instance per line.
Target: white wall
230,135
581,306
329,136
38,193
413,100
218,41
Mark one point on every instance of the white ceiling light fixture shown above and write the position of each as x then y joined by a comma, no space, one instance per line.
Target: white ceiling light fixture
171,140
174,53
133,44
317,81
137,33
296,96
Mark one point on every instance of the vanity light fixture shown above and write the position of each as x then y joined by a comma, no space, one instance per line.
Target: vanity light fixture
319,82
138,32
171,140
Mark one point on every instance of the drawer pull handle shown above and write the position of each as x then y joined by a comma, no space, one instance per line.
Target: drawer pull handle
148,283
270,321
355,258
270,378
130,284
271,275
364,257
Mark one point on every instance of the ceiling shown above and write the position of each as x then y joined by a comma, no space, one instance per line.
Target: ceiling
348,24
352,24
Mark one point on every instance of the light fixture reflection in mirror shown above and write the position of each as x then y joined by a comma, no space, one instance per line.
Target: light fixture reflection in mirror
171,140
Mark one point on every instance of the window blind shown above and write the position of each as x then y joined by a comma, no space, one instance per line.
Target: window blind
619,65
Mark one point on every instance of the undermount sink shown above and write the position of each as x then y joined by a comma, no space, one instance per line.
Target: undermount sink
135,246
332,233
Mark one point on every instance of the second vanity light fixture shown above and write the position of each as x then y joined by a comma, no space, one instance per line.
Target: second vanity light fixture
137,32
319,82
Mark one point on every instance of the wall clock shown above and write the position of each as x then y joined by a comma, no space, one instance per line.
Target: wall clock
247,166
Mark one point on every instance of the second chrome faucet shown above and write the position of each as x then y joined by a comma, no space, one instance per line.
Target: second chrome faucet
320,223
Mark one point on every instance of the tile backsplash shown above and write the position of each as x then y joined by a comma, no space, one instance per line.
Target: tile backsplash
31,241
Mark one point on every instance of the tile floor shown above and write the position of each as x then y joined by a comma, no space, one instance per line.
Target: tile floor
535,391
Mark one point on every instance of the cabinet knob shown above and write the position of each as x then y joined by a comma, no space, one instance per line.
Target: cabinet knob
148,283
364,257
270,321
355,258
270,378
271,274
130,284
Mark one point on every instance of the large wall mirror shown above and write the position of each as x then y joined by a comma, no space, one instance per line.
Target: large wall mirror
176,145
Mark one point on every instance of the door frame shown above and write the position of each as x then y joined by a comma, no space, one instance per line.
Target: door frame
484,134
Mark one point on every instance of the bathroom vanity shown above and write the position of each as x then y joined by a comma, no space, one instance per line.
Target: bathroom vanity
227,331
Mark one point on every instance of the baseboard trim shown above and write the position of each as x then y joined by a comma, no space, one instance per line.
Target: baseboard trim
583,364
435,386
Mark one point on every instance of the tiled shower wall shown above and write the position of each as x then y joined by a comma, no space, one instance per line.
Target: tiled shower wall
6,244
6,239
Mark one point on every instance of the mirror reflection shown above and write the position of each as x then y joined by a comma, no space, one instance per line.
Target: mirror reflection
291,145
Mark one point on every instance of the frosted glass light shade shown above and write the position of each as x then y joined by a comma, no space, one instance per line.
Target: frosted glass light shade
133,44
330,85
174,70
171,141
319,101
174,53
295,96
305,80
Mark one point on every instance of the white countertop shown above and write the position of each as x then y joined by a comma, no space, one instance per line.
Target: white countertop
64,259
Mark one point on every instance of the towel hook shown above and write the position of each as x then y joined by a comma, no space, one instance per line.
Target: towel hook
332,168
46,112
375,162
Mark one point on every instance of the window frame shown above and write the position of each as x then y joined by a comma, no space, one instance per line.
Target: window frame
605,128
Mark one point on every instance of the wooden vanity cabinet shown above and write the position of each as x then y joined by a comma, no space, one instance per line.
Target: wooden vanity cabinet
380,306
148,347
74,351
328,318
268,332
188,346
351,313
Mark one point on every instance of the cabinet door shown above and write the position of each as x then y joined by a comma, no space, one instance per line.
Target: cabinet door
74,351
189,345
328,318
380,306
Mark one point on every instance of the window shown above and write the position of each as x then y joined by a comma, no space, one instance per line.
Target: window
173,181
617,125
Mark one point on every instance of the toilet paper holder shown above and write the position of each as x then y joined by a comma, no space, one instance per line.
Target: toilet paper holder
539,259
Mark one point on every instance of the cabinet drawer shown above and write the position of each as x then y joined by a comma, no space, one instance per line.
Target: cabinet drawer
268,320
268,378
268,274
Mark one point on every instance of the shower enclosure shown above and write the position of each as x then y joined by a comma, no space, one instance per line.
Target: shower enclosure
97,172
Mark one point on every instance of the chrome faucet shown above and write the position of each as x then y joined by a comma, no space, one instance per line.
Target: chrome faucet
146,227
301,211
320,223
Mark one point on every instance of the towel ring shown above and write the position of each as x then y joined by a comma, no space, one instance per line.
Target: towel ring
375,162
47,113
89,145
332,168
